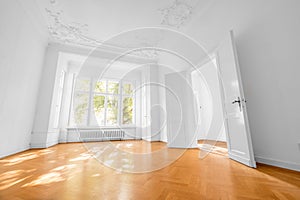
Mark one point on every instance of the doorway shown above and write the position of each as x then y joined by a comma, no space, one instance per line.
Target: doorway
211,135
235,119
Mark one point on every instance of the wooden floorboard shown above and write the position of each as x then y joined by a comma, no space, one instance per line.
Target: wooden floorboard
68,171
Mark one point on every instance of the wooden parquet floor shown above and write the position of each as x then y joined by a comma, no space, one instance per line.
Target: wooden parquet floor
68,171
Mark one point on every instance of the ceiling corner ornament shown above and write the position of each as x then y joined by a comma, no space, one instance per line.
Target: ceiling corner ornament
52,2
177,14
77,33
68,32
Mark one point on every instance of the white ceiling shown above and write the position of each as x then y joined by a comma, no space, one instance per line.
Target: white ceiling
90,22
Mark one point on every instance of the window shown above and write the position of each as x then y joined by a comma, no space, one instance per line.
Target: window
127,104
103,103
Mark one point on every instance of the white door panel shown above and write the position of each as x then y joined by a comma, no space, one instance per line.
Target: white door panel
237,127
180,122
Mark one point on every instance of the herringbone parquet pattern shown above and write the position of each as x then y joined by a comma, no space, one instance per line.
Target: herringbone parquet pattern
68,171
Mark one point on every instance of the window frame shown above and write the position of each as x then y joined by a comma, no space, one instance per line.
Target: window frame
91,92
59,100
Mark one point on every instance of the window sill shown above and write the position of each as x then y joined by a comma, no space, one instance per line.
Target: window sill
101,127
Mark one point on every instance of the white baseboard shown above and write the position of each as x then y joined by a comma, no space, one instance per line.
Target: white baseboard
50,144
278,163
14,151
44,139
43,145
38,145
213,139
241,159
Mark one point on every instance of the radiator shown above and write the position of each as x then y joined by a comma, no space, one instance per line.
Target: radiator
101,135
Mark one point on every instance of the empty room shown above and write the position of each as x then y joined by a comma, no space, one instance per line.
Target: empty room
149,99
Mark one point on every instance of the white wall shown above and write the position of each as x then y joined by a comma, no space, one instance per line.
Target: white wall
162,71
43,133
21,58
150,105
155,108
267,36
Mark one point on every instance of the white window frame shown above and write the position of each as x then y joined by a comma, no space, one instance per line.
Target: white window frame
58,106
120,96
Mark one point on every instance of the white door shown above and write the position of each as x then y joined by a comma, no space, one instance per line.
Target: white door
203,104
181,124
237,127
174,107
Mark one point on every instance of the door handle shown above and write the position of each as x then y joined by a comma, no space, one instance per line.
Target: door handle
239,102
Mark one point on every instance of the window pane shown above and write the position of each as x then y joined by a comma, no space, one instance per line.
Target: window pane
127,88
100,86
97,114
112,110
127,111
113,87
82,85
81,108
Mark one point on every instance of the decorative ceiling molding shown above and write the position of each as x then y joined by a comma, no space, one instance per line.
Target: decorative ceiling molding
68,32
75,33
52,2
177,14
146,53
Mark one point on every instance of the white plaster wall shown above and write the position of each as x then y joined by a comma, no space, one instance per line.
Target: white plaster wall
162,71
267,37
43,134
155,108
150,106
21,59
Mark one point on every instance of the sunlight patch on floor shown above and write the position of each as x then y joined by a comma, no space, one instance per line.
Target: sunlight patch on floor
213,149
57,174
51,177
19,159
82,156
138,159
14,177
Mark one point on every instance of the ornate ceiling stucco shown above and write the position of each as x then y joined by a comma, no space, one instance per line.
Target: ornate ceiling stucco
177,14
68,33
63,30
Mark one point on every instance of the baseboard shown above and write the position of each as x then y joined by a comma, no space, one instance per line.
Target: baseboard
43,145
240,159
15,152
38,146
210,139
278,163
50,144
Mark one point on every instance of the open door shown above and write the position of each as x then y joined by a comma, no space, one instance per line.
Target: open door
236,121
174,104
